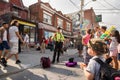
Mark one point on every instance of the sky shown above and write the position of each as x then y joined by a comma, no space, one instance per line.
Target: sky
109,9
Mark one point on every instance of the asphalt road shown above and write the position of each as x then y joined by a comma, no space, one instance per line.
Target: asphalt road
57,71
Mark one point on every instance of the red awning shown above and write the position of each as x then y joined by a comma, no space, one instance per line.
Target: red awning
46,27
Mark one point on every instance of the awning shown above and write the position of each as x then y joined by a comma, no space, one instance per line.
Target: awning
46,27
26,23
70,36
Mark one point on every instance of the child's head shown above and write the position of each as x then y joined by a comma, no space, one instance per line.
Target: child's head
116,34
88,31
103,28
97,47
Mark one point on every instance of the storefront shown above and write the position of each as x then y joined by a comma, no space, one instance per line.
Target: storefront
24,26
48,34
45,31
29,28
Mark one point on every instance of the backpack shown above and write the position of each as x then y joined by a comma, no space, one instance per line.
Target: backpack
45,62
107,72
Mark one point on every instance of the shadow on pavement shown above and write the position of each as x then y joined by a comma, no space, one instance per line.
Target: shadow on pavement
21,75
61,71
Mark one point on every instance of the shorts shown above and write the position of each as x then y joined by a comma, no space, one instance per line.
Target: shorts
113,52
118,57
1,46
4,45
14,47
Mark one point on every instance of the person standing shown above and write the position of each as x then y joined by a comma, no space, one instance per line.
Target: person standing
115,40
96,48
4,46
43,45
85,41
14,38
26,40
58,38
79,44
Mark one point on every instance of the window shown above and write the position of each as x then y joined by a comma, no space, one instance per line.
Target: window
68,26
47,18
60,22
15,12
32,34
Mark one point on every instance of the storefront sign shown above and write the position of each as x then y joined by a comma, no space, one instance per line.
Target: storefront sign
26,23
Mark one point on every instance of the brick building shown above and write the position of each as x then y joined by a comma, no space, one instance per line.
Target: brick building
15,10
88,21
49,19
89,15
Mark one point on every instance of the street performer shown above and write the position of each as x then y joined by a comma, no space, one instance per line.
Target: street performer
58,39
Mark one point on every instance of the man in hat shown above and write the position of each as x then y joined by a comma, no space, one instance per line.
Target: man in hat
58,38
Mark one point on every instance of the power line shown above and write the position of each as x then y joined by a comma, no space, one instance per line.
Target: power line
110,4
101,4
107,9
74,4
108,12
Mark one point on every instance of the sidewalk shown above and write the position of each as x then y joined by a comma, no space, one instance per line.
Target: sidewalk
30,59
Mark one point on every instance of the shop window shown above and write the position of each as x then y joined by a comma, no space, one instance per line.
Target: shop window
32,34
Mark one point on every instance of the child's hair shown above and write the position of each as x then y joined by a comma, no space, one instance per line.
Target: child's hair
89,31
117,35
104,27
98,46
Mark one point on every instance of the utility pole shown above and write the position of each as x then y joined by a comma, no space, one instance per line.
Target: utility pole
81,12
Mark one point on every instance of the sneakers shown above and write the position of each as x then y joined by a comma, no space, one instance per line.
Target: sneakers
18,62
3,62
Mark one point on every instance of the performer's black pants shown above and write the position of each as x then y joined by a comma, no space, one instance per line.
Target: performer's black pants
58,48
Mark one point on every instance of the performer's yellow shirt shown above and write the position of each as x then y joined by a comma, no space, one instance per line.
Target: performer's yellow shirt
58,37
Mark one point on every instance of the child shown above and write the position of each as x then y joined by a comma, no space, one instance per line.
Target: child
115,40
85,41
43,46
96,48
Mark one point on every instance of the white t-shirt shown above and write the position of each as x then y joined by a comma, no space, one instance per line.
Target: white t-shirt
26,38
5,36
12,33
93,67
113,44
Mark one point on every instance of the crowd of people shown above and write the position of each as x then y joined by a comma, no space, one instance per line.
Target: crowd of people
107,48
